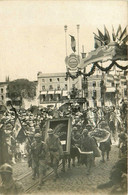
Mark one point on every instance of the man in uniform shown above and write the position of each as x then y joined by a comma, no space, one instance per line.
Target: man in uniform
35,147
75,140
87,145
43,158
9,185
55,150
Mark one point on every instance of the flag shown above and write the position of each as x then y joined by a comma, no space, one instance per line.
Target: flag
101,35
118,33
17,127
97,42
106,36
113,34
124,33
125,39
73,43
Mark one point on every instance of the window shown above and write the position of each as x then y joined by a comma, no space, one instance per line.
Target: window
44,97
94,83
65,86
43,87
73,86
58,79
43,80
112,84
2,90
50,80
2,97
58,87
51,96
50,87
86,94
65,79
94,94
125,92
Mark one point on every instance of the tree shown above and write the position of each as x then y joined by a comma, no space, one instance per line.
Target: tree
21,88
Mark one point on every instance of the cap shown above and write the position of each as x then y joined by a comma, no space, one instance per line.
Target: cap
37,135
85,132
74,129
50,131
6,168
88,126
8,126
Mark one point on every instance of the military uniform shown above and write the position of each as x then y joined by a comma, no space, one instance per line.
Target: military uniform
54,147
75,139
9,185
87,145
35,159
43,158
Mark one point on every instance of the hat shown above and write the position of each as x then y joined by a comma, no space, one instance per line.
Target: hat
8,126
6,168
37,135
74,129
88,126
50,131
85,132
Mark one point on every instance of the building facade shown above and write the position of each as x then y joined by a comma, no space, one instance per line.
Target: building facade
3,93
53,88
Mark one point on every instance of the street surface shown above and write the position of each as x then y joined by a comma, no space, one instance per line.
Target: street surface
74,180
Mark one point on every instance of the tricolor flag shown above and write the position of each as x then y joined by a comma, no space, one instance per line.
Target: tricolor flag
106,36
124,33
17,127
113,34
101,35
118,33
97,41
73,43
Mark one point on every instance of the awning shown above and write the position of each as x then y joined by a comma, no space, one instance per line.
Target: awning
65,93
43,92
111,89
58,92
51,92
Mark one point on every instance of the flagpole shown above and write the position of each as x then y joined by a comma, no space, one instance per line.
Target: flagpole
65,29
78,27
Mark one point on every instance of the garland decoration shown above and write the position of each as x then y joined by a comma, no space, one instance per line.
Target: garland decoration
79,72
121,67
105,69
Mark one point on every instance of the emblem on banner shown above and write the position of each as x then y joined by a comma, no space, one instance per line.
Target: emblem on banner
72,61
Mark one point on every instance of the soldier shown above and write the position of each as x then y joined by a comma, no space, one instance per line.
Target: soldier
9,185
75,139
54,147
87,145
43,157
35,147
30,140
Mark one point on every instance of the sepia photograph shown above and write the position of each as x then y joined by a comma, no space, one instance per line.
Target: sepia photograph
63,97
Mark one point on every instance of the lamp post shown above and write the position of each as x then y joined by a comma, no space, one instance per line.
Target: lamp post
65,29
78,27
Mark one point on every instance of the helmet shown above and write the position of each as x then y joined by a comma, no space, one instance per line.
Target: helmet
6,168
85,132
89,127
8,126
74,129
37,135
50,131
37,128
122,136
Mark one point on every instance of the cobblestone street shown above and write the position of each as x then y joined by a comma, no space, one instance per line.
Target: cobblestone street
75,180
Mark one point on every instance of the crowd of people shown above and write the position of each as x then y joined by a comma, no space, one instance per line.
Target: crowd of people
107,124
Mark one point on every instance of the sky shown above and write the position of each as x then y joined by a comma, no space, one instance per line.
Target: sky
32,37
